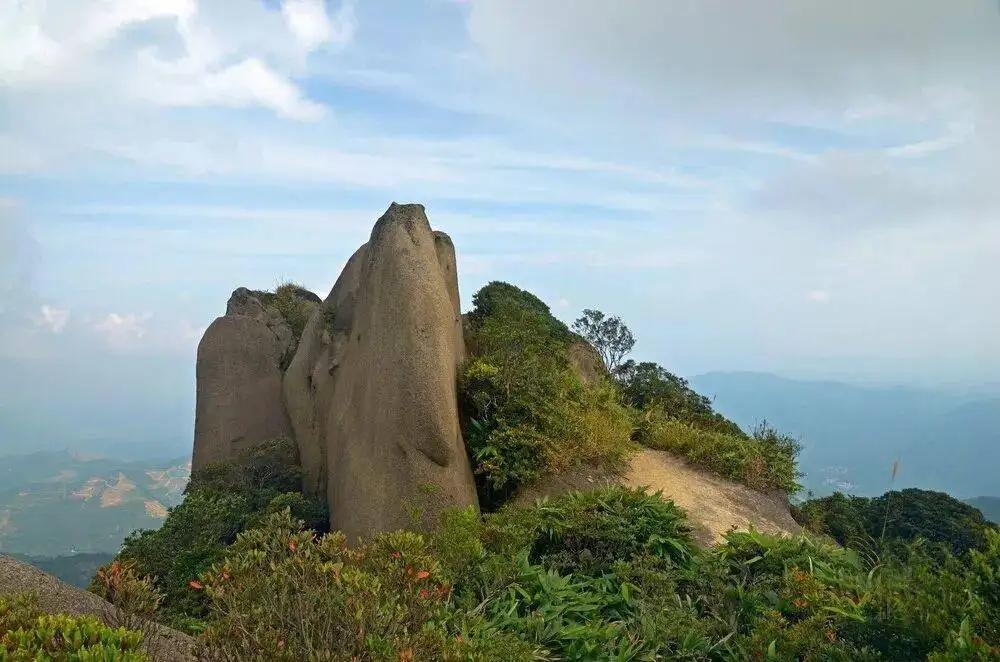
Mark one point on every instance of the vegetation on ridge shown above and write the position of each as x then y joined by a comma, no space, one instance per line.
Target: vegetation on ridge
293,301
220,503
610,574
904,515
28,635
526,413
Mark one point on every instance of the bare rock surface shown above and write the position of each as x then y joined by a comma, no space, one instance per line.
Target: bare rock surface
394,447
57,597
714,505
239,397
309,380
371,390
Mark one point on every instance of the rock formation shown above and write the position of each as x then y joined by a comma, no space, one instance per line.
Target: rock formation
369,394
239,399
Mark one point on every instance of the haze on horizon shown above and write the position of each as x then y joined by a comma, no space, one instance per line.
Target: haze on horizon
806,189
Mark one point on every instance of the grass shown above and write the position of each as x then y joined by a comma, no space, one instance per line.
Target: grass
764,461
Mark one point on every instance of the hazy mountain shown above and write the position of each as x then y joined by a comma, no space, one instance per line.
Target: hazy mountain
989,506
57,503
852,434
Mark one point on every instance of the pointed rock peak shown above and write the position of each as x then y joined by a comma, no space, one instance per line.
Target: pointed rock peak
411,217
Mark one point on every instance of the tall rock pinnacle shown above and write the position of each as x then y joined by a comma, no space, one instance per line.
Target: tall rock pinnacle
370,394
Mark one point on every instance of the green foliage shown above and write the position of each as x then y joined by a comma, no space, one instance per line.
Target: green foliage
591,531
649,387
765,461
497,297
904,515
525,413
610,574
222,501
28,635
608,335
135,596
283,594
295,303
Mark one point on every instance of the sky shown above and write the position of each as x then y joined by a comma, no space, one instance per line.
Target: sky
808,188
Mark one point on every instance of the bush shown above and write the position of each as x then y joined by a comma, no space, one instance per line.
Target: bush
27,635
134,599
525,413
590,532
608,574
283,594
295,303
221,501
649,387
764,462
905,515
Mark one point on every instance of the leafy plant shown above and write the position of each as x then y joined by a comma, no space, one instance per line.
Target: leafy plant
765,461
28,635
608,335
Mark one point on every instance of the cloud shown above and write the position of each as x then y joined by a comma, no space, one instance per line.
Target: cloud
123,331
312,26
51,319
762,55
192,53
818,296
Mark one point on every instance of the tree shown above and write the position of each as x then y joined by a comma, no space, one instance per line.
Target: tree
609,336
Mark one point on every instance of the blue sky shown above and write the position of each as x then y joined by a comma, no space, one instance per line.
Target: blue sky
804,188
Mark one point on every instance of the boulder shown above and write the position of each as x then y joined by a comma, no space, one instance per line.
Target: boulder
371,390
238,373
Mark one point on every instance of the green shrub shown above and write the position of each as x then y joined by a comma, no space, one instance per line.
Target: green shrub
649,387
525,413
765,461
590,532
609,574
497,297
295,303
135,598
28,635
283,594
221,501
904,515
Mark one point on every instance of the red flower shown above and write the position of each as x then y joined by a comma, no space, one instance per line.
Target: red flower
291,545
423,574
424,593
195,584
396,555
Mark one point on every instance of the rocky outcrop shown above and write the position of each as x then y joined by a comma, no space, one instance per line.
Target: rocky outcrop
239,398
368,391
389,418
57,597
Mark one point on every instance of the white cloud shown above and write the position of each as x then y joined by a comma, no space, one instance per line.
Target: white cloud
309,22
51,319
246,84
193,52
818,296
123,331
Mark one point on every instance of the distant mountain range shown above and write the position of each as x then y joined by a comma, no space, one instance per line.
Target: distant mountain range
851,435
58,503
988,506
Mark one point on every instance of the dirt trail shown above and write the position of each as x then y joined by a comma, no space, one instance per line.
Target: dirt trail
714,505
